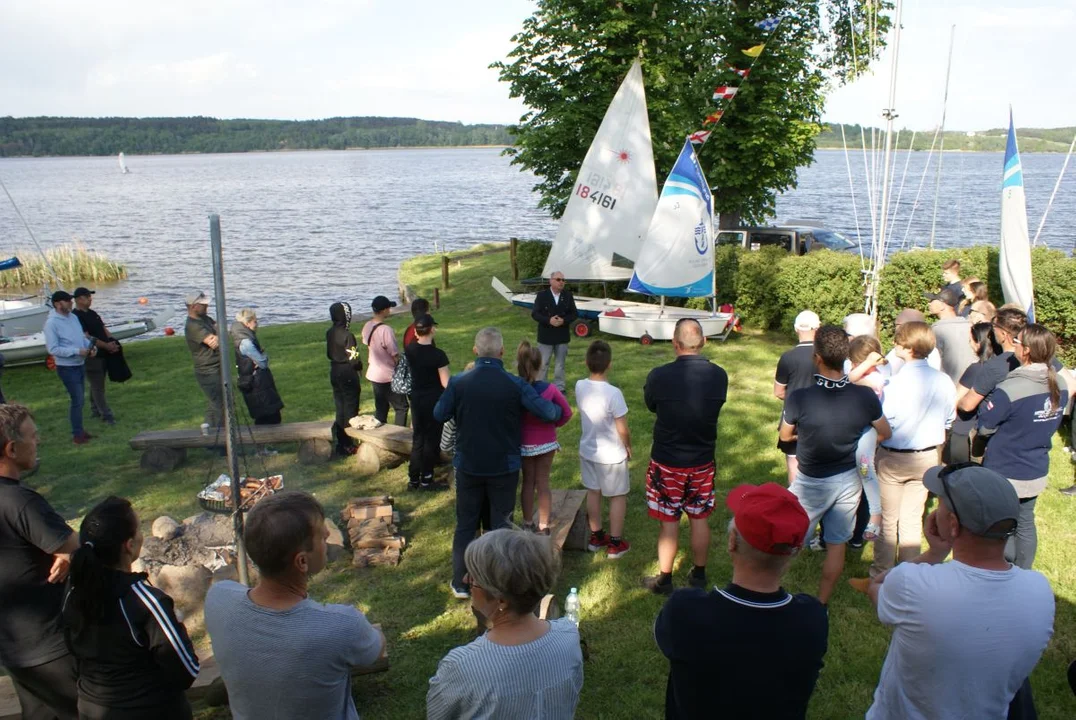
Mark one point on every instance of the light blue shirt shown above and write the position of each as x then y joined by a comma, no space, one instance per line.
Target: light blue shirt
920,404
248,349
64,338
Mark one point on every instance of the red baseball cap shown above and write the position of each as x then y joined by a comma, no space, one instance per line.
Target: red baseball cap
769,517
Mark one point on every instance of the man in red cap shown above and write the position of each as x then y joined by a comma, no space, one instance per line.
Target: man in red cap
716,641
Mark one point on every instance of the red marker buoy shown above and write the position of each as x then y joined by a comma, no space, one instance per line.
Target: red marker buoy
169,331
143,300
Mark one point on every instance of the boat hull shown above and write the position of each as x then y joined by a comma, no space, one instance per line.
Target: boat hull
22,317
649,323
30,349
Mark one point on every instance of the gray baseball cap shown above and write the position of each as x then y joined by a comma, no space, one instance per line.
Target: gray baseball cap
980,498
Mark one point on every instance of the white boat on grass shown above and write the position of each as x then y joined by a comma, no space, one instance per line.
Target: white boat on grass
676,260
31,349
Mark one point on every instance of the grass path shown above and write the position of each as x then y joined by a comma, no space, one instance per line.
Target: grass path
625,675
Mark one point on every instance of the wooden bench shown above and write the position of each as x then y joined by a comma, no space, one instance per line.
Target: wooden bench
208,685
163,450
568,519
381,448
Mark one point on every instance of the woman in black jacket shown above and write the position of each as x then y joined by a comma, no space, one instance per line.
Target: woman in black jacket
344,366
135,658
255,379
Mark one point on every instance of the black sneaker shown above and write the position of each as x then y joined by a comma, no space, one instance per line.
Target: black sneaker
412,485
856,543
654,585
697,581
460,593
433,486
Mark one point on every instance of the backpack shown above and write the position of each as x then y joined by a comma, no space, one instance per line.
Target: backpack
401,377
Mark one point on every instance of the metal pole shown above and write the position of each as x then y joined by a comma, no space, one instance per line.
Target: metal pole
941,152
1054,193
230,430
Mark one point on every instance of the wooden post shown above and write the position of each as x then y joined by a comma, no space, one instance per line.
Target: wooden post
436,298
513,248
444,273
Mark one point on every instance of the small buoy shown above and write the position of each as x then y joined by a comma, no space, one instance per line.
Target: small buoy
169,331
143,300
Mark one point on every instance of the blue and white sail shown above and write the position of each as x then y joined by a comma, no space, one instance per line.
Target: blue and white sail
677,257
1015,257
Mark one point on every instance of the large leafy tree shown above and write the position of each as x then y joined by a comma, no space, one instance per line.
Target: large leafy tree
571,55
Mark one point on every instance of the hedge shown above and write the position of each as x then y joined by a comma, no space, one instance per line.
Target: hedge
769,287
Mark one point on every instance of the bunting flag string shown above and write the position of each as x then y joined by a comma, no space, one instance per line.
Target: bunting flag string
727,93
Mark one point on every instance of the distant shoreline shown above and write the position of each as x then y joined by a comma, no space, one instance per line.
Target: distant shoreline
265,152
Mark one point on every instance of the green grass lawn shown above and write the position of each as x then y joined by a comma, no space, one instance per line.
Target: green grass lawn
625,674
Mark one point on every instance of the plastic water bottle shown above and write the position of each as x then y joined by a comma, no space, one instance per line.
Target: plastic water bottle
571,607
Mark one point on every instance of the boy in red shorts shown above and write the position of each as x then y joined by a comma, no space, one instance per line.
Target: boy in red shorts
687,396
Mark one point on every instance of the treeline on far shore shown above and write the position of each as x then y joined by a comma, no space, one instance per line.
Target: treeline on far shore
43,136
1030,139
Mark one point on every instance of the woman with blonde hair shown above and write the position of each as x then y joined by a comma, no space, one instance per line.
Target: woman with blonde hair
522,667
539,441
255,380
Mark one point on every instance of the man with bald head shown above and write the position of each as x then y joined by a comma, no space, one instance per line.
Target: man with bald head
687,395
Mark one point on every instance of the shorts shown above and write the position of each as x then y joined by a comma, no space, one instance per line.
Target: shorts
612,479
833,500
671,491
536,450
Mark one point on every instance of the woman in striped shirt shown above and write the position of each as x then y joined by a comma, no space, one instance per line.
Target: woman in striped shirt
522,667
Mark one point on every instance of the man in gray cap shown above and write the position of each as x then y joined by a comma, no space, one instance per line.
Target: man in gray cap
204,344
967,633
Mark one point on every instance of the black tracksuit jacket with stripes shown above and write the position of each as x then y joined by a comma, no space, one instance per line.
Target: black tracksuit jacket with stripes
138,659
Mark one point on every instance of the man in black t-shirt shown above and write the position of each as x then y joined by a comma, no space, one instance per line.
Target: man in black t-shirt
827,420
750,650
795,370
429,377
202,340
96,366
35,555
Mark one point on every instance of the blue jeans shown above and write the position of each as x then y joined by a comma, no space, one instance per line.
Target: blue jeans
74,379
833,500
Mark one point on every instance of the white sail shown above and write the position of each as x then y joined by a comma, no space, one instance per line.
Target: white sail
614,195
123,165
677,257
1015,256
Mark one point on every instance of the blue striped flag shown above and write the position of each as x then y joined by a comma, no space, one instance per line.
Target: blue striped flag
1015,255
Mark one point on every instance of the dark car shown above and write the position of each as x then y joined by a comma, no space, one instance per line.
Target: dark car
800,239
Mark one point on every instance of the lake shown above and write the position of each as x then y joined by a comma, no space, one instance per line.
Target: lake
302,230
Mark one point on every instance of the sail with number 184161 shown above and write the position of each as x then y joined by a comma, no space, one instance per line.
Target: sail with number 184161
614,195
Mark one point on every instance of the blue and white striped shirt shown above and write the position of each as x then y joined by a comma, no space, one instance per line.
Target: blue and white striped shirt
487,681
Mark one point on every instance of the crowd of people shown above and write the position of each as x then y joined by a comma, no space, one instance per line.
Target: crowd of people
962,410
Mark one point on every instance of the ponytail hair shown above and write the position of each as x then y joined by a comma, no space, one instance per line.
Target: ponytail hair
1041,345
102,535
528,361
982,334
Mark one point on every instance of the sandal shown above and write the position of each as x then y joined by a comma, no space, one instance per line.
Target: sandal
870,533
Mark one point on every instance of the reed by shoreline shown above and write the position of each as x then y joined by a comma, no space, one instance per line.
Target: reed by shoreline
71,264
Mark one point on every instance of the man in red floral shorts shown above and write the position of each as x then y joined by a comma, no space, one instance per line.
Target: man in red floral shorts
687,395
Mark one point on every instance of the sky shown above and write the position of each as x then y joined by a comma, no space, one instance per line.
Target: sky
301,59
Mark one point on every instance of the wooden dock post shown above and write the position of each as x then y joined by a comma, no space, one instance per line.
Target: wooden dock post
436,298
513,248
444,273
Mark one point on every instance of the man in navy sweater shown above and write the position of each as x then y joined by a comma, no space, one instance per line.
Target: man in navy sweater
554,311
487,404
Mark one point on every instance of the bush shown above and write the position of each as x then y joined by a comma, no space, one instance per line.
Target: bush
727,269
756,287
531,256
827,282
1054,277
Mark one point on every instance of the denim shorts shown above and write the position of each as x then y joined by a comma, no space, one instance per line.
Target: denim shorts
833,499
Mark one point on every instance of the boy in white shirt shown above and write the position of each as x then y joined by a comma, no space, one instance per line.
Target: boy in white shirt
604,451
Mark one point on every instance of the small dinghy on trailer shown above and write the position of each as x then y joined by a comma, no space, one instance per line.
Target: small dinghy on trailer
676,260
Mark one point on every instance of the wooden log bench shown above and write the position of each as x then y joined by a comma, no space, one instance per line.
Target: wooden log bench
208,685
381,448
164,450
568,519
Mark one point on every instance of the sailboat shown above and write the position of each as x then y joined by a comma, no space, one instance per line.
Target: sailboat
123,164
609,211
676,260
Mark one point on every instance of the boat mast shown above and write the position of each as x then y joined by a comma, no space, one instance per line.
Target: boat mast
941,151
890,114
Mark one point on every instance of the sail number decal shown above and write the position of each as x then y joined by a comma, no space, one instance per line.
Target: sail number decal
595,196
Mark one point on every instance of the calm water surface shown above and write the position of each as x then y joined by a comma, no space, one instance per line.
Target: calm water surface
304,229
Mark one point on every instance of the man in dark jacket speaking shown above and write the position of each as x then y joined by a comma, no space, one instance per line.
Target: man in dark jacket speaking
554,311
487,404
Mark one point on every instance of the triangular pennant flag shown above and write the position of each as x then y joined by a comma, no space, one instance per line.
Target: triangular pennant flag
769,24
714,117
699,137
738,71
724,92
754,52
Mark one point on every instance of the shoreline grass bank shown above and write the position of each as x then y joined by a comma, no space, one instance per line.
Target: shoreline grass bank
625,675
72,263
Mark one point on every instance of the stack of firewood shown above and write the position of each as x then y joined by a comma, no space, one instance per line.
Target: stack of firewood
372,527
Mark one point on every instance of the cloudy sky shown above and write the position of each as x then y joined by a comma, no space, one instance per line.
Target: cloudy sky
428,59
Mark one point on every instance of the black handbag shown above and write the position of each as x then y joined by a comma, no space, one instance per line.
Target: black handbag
116,366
